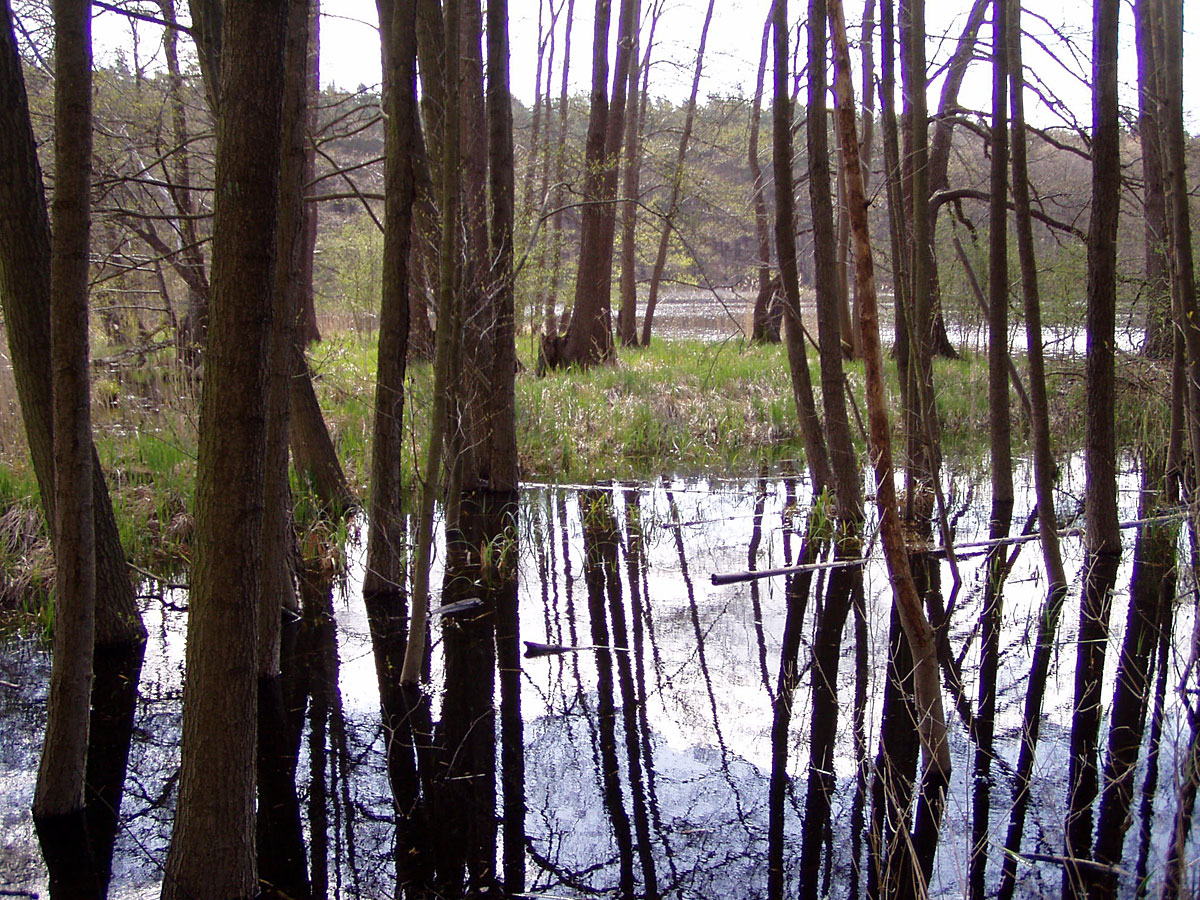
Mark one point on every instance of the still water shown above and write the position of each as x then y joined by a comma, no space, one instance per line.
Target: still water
648,755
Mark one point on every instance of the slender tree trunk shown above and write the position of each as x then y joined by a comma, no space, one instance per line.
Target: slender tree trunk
308,329
668,216
912,66
212,845
1043,468
1158,318
815,450
58,802
931,722
449,313
627,316
550,327
1102,536
764,327
843,460
386,534
1000,434
278,830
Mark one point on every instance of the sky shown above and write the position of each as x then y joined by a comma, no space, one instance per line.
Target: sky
350,48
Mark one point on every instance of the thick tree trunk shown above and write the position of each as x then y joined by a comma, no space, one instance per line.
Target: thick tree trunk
212,845
589,336
500,467
58,800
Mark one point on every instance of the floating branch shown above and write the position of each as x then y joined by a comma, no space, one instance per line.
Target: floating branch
533,650
721,578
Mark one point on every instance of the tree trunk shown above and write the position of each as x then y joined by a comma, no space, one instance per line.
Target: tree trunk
500,467
386,551
550,325
627,316
448,333
931,722
1043,466
1102,536
815,451
764,327
831,317
279,838
308,329
914,82
589,336
212,845
58,801
1000,435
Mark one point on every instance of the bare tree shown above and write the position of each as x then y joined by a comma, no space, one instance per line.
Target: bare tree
931,722
668,215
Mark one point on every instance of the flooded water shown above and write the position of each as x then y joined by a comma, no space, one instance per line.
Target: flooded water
732,741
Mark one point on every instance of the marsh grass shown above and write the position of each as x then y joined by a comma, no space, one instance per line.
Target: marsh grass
676,408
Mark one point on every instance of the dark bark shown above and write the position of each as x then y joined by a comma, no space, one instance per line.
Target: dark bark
931,722
279,838
58,800
500,467
827,650
767,315
1000,440
449,338
1157,285
627,315
797,590
924,442
1043,465
212,845
1153,557
815,450
600,572
386,533
842,458
589,335
1103,538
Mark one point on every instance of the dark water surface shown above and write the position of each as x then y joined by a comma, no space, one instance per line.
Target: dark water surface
652,760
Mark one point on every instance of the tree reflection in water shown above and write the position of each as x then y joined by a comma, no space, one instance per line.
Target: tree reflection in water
684,740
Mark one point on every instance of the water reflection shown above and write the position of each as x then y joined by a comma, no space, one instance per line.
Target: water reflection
673,739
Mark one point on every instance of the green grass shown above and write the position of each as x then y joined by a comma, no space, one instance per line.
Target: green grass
676,408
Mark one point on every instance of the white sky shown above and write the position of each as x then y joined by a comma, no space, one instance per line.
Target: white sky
350,48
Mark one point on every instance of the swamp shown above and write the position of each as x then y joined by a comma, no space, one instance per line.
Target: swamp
782,487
